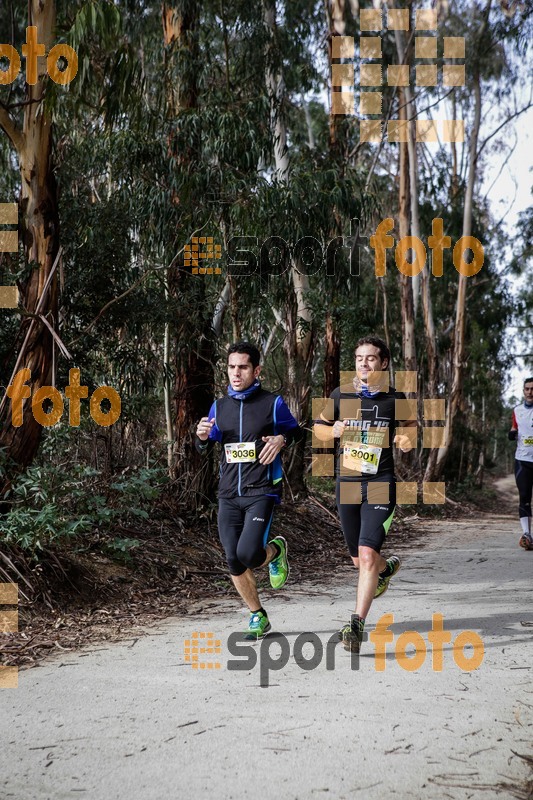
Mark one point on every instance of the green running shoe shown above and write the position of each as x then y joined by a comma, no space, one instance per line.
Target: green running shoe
352,635
279,568
344,629
258,626
394,564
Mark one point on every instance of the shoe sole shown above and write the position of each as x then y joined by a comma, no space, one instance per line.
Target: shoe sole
353,645
283,539
254,637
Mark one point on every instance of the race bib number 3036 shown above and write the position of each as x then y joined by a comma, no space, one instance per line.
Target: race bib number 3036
242,452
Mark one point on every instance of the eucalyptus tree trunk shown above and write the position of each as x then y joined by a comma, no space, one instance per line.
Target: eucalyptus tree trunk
194,342
421,281
455,396
32,144
335,15
167,389
300,327
458,365
332,359
406,285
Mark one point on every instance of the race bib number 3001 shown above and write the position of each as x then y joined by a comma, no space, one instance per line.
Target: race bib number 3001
361,458
243,452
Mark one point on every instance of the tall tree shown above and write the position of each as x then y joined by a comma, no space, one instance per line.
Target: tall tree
194,354
299,322
31,140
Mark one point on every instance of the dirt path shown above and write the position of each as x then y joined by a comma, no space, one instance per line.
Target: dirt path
134,720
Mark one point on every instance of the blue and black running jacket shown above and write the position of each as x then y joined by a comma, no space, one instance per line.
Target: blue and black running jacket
247,417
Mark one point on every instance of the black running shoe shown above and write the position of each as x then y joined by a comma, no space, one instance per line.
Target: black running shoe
352,635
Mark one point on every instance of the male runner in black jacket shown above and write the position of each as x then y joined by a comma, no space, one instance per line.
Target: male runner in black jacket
363,422
252,425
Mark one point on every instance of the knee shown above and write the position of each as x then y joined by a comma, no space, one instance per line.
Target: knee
251,557
235,566
368,558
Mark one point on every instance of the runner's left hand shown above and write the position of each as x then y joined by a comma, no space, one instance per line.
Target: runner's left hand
271,449
403,442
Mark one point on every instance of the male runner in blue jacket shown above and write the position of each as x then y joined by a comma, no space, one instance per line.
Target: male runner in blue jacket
252,425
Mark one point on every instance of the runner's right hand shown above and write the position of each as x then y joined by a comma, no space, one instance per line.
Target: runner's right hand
204,428
338,429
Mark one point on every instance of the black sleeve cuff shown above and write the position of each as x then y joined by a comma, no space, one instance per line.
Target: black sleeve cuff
202,447
293,435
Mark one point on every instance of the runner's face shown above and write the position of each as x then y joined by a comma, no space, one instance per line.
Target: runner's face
367,361
528,392
241,372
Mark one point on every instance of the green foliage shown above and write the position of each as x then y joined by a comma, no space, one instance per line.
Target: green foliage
120,549
53,503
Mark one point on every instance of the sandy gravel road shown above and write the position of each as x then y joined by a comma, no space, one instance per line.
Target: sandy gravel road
134,720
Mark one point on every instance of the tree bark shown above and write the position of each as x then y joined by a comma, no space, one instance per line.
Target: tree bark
300,338
459,333
332,357
195,341
40,226
406,286
335,15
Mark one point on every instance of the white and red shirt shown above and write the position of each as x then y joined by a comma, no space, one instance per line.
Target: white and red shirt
523,421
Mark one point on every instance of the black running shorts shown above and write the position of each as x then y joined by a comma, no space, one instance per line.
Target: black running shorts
523,471
366,509
243,527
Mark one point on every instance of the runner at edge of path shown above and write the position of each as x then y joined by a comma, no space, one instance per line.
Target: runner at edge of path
364,415
522,432
252,425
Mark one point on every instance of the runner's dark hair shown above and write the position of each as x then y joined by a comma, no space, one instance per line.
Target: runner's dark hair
384,352
246,347
528,380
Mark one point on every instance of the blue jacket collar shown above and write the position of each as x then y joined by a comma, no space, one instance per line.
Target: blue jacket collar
247,392
365,391
363,388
